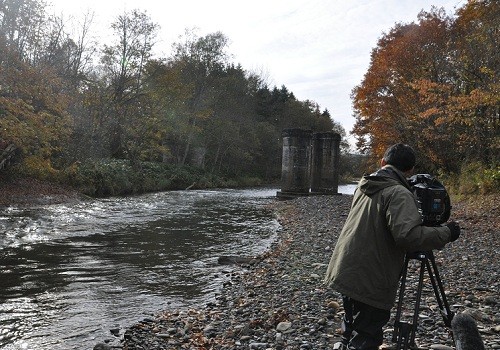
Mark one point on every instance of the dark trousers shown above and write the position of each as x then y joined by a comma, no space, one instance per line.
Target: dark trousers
362,324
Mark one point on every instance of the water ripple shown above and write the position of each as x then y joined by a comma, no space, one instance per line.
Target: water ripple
69,273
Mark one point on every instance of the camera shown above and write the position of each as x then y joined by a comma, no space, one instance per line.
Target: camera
432,198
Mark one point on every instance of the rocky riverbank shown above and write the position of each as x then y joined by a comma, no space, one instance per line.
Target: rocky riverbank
279,302
25,192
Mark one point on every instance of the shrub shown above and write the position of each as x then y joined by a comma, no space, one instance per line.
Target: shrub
37,167
474,178
104,178
116,177
113,177
491,180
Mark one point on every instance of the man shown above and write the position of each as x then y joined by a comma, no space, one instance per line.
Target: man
383,224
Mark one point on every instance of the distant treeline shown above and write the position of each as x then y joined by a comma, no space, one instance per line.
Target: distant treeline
75,108
66,100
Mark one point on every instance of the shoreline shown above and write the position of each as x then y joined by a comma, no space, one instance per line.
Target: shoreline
281,303
28,192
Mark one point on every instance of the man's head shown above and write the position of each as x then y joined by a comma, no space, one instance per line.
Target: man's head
400,156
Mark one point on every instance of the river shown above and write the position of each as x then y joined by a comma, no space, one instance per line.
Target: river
71,273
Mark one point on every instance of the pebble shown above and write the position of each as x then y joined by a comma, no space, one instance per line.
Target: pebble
283,326
280,303
102,346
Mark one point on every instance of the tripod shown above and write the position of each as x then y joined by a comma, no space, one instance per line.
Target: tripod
404,332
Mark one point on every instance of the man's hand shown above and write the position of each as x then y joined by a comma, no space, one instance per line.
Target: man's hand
454,229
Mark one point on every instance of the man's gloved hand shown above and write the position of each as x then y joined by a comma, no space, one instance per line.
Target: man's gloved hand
454,229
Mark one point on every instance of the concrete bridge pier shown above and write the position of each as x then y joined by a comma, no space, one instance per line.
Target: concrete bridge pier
295,166
310,163
325,163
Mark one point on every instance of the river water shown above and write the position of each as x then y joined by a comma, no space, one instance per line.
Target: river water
71,273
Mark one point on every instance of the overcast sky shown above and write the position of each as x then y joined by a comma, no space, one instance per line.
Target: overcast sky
318,49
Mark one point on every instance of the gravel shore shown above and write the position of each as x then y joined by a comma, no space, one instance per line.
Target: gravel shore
27,192
279,301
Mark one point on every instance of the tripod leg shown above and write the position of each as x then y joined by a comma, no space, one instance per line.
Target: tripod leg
397,321
347,322
417,300
402,330
403,340
437,285
404,333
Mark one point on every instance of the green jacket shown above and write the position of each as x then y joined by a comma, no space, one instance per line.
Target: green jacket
383,224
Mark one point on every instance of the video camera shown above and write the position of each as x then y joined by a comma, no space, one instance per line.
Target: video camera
432,198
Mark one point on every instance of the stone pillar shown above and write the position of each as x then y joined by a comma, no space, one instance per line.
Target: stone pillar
295,164
325,163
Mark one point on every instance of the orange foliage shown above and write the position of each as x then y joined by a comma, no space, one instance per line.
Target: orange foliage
434,85
32,110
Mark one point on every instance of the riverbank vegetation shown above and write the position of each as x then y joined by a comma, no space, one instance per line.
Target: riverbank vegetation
112,118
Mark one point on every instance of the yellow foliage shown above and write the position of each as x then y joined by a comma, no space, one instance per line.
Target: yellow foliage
39,167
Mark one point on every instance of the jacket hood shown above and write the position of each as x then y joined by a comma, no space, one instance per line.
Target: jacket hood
385,177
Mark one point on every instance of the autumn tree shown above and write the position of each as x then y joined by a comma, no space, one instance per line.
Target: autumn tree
198,60
33,114
71,57
22,28
122,69
434,85
474,106
232,138
387,104
33,99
